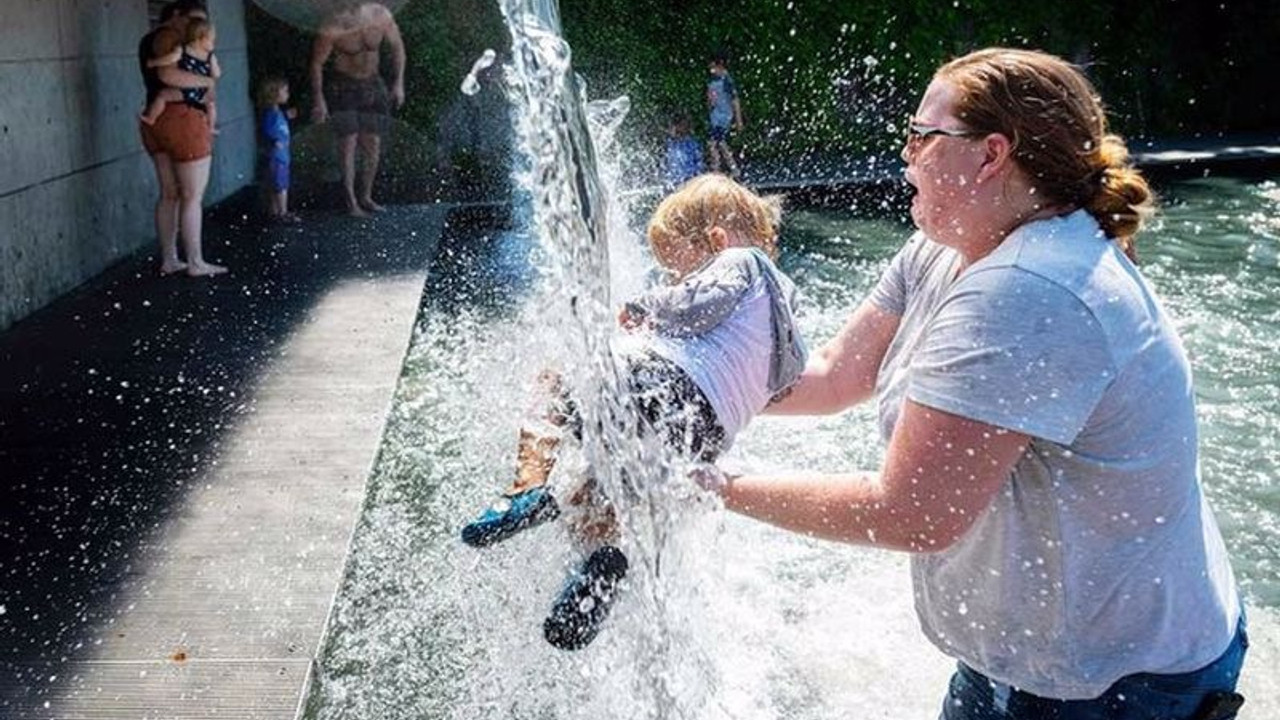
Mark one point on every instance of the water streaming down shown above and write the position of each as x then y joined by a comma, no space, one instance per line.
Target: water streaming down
737,620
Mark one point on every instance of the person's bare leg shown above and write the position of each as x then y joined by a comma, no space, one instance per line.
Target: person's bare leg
166,215
714,156
535,459
193,177
347,162
729,162
153,110
370,152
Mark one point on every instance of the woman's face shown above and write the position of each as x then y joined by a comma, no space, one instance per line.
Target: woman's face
942,165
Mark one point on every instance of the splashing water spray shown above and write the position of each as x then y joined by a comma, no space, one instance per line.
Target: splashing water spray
561,135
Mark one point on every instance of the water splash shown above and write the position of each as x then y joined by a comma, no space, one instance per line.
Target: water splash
470,83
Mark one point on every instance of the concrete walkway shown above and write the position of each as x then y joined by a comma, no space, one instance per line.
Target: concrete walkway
183,463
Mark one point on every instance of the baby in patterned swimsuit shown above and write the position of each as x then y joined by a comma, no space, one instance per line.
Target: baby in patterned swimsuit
195,56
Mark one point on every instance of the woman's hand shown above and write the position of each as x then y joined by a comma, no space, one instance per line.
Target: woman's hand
711,478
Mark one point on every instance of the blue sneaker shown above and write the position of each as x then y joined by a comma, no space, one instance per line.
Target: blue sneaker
509,516
585,602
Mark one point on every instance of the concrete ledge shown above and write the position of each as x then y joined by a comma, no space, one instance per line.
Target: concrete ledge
192,457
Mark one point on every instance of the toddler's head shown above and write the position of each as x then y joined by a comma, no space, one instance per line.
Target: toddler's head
201,34
680,125
708,214
273,91
718,62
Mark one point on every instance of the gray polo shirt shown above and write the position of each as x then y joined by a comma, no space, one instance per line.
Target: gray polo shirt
1099,557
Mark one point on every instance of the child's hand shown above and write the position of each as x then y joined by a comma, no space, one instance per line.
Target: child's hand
291,113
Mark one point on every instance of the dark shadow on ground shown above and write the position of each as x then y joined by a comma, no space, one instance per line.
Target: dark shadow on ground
482,265
114,397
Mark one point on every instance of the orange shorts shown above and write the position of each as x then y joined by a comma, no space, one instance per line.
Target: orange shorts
181,132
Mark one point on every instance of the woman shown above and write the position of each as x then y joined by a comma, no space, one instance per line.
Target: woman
1042,464
180,143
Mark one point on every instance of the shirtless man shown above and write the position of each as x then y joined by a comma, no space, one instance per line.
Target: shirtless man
355,100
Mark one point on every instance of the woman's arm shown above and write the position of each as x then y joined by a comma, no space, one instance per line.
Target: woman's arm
166,43
842,373
173,77
940,474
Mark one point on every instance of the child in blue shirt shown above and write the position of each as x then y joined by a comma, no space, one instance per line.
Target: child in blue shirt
725,112
273,127
684,153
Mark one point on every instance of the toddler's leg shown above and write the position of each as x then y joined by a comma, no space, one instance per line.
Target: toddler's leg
535,459
156,107
526,502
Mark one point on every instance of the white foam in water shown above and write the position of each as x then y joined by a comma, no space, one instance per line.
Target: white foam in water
471,85
721,617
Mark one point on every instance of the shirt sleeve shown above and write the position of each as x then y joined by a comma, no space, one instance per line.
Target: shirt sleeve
700,301
890,292
1012,349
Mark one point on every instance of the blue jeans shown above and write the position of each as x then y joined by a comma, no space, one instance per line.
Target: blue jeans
1143,696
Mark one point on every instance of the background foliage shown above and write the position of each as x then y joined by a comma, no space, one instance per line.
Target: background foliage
836,77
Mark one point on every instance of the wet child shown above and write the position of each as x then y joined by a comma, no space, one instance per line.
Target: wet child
725,113
684,153
273,147
195,55
698,359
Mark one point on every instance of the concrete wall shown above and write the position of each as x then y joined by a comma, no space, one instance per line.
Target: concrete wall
76,189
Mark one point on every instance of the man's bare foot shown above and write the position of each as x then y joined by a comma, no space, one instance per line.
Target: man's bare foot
356,211
205,269
371,206
170,267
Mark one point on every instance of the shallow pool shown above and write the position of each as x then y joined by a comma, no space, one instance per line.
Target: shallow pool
743,621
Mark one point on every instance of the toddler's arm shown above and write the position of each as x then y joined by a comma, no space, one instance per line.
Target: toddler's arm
273,127
697,303
215,70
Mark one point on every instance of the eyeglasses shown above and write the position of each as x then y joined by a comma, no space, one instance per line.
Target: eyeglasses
918,133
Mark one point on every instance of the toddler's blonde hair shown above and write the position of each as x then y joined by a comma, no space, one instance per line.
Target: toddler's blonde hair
197,30
269,90
686,216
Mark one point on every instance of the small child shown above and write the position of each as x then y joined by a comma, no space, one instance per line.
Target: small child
273,146
684,154
194,56
699,359
722,101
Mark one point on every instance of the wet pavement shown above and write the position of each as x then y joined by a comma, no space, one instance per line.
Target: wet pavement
183,461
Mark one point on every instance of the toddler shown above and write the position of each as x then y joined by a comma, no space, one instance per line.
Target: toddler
699,358
195,56
273,146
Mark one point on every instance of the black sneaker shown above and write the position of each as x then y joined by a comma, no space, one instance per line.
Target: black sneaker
584,603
